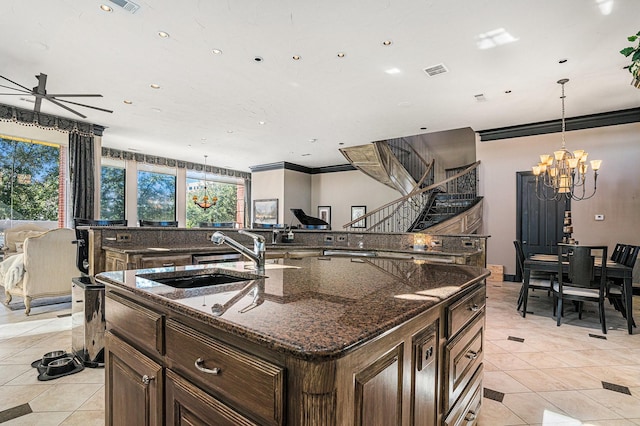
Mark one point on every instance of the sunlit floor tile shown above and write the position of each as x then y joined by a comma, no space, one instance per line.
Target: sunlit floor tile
64,397
579,406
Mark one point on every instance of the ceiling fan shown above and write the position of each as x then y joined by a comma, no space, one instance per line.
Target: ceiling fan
40,93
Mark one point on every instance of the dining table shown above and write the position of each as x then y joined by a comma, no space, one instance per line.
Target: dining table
549,263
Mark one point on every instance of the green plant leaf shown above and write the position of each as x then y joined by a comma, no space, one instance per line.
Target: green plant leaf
632,38
636,56
627,51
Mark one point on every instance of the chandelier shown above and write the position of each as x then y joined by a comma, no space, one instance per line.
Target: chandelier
564,173
205,204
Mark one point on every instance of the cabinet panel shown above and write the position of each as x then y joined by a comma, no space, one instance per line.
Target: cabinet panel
466,411
189,405
424,403
227,373
464,310
133,386
378,391
463,355
164,261
135,323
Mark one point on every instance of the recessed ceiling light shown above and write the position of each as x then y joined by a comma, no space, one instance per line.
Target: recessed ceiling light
296,57
127,101
305,155
229,131
155,86
387,43
262,123
313,140
392,71
258,59
217,51
106,8
507,91
423,128
341,54
156,110
163,34
562,61
340,143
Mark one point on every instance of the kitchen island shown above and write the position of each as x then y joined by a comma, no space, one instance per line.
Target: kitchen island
328,340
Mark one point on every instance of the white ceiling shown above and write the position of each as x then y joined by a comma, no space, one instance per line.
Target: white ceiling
212,104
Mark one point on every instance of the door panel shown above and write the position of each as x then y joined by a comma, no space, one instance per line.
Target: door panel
539,222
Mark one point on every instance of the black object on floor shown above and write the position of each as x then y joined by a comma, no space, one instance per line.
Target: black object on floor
15,412
516,339
616,388
493,395
57,364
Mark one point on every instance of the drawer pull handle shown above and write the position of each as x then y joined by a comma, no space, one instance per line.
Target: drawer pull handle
471,416
168,264
199,365
147,379
474,308
472,355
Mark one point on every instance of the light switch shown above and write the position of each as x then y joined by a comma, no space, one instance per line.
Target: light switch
599,217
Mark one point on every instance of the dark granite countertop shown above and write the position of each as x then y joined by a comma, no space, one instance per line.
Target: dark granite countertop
311,308
281,247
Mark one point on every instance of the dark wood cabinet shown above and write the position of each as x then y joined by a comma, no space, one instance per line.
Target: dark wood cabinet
133,386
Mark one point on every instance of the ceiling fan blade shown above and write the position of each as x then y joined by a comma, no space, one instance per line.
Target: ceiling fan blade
82,105
42,83
63,106
78,95
15,94
28,92
19,85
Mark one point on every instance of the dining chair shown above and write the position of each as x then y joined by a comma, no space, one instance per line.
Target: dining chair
161,223
537,280
615,286
583,284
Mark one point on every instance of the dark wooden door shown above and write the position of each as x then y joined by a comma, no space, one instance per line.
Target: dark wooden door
539,223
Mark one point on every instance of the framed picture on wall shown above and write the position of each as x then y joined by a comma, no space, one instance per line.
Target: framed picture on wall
356,212
324,213
265,211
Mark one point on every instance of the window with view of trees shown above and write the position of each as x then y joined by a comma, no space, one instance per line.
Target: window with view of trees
112,192
156,196
225,210
29,180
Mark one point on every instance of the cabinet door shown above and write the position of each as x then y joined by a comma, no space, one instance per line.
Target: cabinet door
189,405
424,403
115,263
165,261
133,386
378,391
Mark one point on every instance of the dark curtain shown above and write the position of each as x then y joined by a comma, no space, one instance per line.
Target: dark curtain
82,175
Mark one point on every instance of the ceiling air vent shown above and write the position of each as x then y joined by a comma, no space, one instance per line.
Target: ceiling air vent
129,6
434,69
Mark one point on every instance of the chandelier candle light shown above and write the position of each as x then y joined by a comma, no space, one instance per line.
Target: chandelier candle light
205,204
564,173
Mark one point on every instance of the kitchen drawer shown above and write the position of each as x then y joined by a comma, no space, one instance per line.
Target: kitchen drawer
187,404
227,373
463,355
461,312
468,408
121,313
165,261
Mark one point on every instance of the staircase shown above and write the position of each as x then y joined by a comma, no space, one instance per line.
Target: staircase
450,206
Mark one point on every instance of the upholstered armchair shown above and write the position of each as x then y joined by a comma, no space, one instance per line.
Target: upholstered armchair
49,266
14,238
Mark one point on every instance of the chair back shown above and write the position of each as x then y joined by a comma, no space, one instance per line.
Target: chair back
629,255
617,252
582,265
519,255
165,223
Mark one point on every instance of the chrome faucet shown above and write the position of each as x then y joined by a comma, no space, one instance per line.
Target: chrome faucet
258,253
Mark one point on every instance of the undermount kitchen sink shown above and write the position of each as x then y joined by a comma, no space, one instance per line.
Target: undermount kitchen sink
202,280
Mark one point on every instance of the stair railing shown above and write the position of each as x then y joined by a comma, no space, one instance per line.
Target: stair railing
399,215
410,159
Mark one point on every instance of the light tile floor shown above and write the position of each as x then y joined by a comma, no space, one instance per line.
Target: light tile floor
553,377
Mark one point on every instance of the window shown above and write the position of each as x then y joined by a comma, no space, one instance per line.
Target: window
31,185
112,190
228,209
156,196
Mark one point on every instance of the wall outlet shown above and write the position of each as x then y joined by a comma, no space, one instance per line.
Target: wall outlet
342,238
328,238
599,217
436,243
123,237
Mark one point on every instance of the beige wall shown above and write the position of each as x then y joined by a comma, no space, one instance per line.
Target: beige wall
297,195
268,185
618,196
341,190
